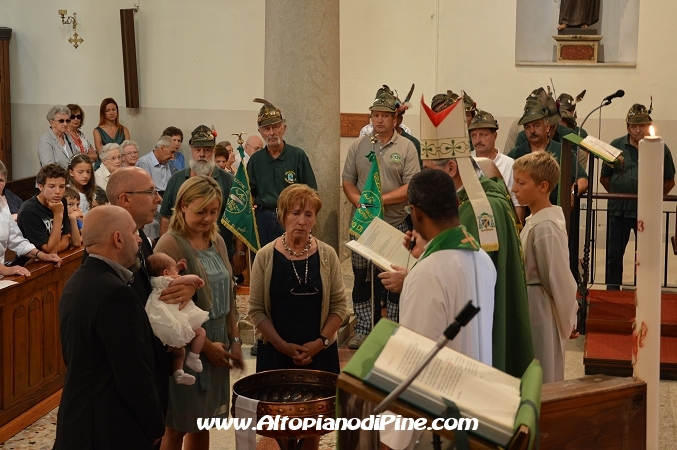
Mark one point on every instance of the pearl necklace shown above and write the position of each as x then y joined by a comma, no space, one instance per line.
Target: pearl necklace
292,252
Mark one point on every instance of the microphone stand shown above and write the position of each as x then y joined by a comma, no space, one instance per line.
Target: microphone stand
467,313
583,286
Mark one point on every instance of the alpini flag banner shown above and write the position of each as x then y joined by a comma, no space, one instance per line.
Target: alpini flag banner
371,203
238,216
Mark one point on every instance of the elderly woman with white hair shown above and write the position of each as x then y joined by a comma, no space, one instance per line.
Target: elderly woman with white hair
111,160
55,146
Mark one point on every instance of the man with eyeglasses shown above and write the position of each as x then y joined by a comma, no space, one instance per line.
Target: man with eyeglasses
133,189
252,145
622,178
273,169
202,143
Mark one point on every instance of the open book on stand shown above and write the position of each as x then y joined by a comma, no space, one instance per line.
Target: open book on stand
381,243
478,391
598,148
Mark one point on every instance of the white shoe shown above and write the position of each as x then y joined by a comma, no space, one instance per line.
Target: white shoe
194,363
182,377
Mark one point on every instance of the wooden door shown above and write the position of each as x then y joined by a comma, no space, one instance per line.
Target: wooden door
5,104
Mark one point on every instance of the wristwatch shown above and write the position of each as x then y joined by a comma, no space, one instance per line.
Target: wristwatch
325,341
240,253
236,339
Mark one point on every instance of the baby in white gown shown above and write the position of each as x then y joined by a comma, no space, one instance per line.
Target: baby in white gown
172,326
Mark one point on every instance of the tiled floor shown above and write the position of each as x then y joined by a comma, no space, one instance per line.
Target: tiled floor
40,435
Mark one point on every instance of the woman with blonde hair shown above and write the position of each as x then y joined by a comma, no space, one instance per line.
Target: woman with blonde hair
193,235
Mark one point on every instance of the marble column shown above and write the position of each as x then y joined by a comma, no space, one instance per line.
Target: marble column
302,69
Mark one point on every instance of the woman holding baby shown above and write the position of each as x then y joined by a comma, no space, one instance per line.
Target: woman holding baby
193,236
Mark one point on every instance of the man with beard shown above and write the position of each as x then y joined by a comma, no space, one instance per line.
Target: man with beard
202,143
109,397
274,168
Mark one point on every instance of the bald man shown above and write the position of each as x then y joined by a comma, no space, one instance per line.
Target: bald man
132,189
109,398
252,145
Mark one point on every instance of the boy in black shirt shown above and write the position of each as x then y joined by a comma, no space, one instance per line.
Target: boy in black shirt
44,219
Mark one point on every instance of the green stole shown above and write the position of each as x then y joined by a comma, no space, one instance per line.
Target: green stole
512,345
456,238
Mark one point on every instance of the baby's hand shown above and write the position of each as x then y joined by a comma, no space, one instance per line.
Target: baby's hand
199,283
181,265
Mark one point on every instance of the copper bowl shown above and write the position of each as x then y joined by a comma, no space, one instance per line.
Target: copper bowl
296,393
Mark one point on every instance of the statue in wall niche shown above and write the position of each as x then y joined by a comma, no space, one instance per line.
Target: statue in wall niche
578,13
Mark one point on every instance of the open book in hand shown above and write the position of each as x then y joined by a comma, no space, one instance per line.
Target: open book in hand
381,243
391,352
597,147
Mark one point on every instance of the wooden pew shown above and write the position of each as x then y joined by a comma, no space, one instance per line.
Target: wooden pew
593,412
31,365
24,188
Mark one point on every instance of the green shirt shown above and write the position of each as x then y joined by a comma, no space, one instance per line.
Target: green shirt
225,181
269,176
555,149
513,348
623,176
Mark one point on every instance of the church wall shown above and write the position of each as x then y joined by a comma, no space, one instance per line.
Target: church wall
198,62
475,48
202,62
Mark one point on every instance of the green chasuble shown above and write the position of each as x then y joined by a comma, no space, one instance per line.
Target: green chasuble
513,348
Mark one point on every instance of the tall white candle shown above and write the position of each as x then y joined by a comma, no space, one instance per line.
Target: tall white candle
647,327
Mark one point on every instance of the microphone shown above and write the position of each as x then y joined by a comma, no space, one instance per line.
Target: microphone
618,94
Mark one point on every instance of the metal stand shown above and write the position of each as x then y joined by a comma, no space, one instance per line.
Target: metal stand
583,284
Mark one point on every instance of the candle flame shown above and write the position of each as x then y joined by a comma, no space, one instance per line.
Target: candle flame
652,132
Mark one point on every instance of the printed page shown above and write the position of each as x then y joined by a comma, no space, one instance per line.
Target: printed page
601,148
382,243
476,388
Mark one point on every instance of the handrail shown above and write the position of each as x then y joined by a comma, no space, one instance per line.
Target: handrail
610,196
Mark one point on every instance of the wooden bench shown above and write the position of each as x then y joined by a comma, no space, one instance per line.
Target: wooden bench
31,364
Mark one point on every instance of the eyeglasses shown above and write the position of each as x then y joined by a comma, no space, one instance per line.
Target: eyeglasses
62,120
152,192
256,149
76,116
